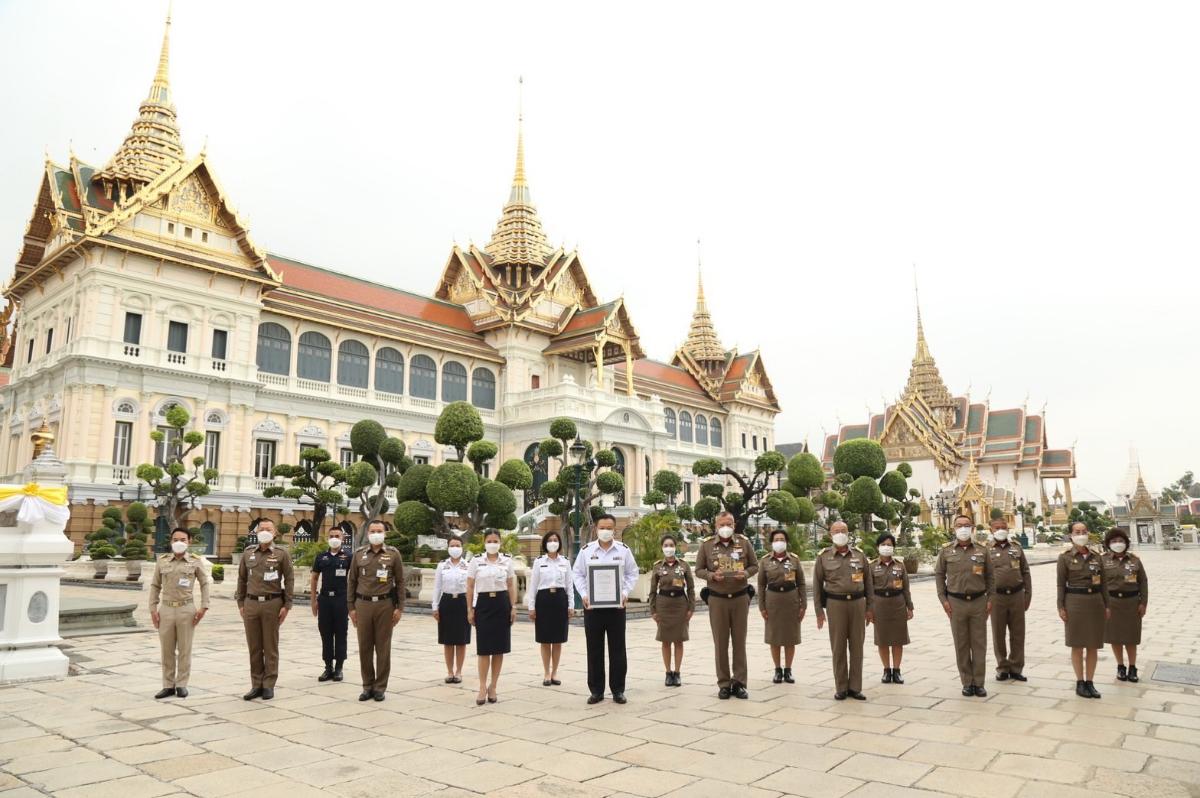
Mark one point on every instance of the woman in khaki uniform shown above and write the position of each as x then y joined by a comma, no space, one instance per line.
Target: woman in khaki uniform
1083,606
893,607
1128,591
672,601
782,600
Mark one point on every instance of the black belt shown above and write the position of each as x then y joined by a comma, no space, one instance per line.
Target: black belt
966,596
361,597
788,588
551,589
671,593
845,596
1008,591
454,595
889,593
1083,591
1125,593
271,597
741,592
332,593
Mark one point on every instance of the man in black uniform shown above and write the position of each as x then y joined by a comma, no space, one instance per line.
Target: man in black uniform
329,603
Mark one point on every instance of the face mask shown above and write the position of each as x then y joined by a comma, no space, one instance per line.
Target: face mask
1079,540
1117,546
886,551
180,546
455,552
726,532
552,546
840,539
779,546
963,533
265,537
1000,535
604,535
492,548
668,551
335,543
375,538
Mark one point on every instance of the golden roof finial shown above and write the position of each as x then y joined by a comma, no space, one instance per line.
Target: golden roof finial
164,55
923,376
518,238
519,172
41,437
702,341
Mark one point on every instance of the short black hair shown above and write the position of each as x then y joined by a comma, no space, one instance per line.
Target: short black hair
487,533
774,532
885,536
386,527
1071,526
603,516
546,537
185,531
964,515
254,524
668,536
1113,534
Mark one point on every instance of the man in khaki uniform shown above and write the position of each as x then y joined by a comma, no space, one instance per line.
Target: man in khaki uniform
963,580
840,588
1012,590
172,592
264,598
375,587
726,562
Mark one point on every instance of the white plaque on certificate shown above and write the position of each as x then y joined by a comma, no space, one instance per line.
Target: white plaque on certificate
604,585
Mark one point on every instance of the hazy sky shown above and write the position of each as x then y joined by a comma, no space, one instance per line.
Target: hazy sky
1038,162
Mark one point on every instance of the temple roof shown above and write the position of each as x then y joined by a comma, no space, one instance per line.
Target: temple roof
671,383
923,375
702,341
518,238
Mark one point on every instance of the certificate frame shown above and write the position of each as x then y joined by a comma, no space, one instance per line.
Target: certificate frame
602,599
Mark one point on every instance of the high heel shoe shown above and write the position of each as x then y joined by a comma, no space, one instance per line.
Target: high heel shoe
491,698
479,699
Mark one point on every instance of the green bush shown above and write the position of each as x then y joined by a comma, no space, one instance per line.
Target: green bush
905,470
305,554
805,472
861,457
413,483
496,499
864,496
668,483
644,536
894,486
459,425
413,518
453,487
366,437
515,474
563,429
218,572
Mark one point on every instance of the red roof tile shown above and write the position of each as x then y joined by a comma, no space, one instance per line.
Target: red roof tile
585,319
654,370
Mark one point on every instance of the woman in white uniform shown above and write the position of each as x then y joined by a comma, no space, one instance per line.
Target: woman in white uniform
492,599
450,609
550,597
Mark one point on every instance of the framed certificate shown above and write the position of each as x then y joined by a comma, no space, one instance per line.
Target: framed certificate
604,585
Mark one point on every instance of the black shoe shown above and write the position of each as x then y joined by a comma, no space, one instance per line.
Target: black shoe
595,699
1017,677
887,676
326,674
1001,676
1092,691
980,692
896,676
723,693
969,690
675,680
181,692
1081,689
268,693
778,679
165,692
365,695
670,680
377,695
1133,677
253,694
787,676
840,695
739,691
545,682
1122,674
618,698
553,682
856,695
337,673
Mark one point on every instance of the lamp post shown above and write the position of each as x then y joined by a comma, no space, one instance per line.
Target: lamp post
942,509
578,454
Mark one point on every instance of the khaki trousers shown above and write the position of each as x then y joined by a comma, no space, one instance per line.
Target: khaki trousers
727,617
847,630
968,624
261,619
1008,615
175,631
375,642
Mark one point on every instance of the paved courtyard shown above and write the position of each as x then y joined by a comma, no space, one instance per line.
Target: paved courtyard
100,733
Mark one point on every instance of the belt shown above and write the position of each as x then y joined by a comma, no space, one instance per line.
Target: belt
189,601
1008,591
550,590
845,596
782,588
1083,591
493,593
361,597
1125,593
453,595
741,592
334,594
889,593
671,593
966,596
271,597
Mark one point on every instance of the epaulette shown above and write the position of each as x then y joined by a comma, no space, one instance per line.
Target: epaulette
827,548
658,563
950,545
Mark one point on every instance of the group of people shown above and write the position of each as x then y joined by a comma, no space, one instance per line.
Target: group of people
1102,597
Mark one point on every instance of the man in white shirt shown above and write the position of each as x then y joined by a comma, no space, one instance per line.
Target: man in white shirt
608,621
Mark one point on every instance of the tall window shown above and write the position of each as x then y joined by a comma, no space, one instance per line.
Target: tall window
49,340
212,449
315,355
701,430
274,349
454,382
67,340
389,370
647,473
177,332
687,493
166,447
220,345
685,426
264,459
29,352
483,389
122,443
346,457
715,432
133,328
669,418
754,438
423,377
354,360
743,440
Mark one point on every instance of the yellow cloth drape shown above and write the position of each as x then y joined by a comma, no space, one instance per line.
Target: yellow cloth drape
56,495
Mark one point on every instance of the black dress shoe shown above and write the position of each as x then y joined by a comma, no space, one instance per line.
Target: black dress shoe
856,695
377,695
268,693
1133,677
840,695
1017,677
723,693
337,674
896,676
619,698
1092,691
181,692
969,690
678,679
739,691
887,676
787,676
166,691
1122,674
595,699
545,682
778,678
1001,676
670,680
365,695
553,682
980,692
1081,689
326,674
253,694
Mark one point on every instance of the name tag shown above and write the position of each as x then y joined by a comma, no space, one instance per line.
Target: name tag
185,582
271,576
340,572
1016,564
1130,577
1095,579
856,576
977,570
898,584
790,576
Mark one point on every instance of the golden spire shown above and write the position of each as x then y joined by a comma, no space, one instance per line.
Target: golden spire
518,238
153,145
923,376
702,341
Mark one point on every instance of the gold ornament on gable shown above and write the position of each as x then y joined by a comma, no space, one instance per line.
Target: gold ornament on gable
192,199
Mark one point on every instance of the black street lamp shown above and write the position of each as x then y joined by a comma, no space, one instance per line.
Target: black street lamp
943,508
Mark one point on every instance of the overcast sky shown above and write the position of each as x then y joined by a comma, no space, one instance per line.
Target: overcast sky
1038,162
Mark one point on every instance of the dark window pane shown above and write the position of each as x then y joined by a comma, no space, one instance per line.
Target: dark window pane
423,376
133,328
389,371
177,332
483,389
220,344
353,364
274,349
454,382
315,356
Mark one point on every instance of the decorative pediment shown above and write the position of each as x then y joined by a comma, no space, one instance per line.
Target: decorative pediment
192,200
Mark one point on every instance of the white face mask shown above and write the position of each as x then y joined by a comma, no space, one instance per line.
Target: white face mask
375,538
1079,540
604,535
779,546
1000,535
179,546
1117,546
668,551
455,552
886,551
963,533
726,532
840,539
551,546
335,543
265,537
491,547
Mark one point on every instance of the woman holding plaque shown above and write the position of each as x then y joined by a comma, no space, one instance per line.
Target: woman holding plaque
782,601
492,610
672,601
550,598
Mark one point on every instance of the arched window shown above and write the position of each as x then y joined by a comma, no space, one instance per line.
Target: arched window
274,349
701,430
389,370
454,382
483,389
714,437
315,355
669,417
423,377
539,469
685,426
354,361
208,535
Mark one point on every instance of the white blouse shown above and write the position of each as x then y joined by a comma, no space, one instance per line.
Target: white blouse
491,577
550,573
449,578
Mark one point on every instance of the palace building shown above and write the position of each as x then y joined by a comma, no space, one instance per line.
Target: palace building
139,287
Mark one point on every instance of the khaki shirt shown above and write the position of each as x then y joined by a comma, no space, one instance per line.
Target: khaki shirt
778,573
176,577
735,560
886,577
265,573
1078,570
840,573
670,577
962,569
1125,573
1009,568
376,573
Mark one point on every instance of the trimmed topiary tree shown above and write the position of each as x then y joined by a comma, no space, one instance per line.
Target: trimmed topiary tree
576,488
381,462
871,491
175,488
317,479
751,499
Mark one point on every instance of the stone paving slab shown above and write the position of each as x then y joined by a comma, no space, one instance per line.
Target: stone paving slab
100,733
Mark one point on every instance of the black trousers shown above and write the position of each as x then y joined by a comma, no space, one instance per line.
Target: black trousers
333,618
597,624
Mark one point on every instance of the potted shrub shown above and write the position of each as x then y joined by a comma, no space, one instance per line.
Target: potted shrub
218,573
101,552
911,557
424,554
135,551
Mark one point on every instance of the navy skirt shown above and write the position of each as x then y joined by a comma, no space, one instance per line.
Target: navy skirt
453,629
493,632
